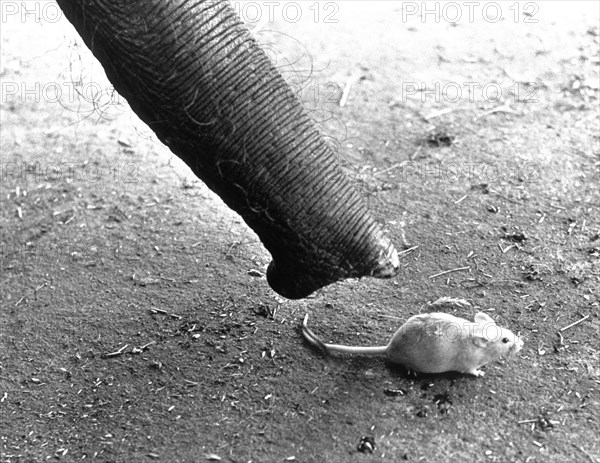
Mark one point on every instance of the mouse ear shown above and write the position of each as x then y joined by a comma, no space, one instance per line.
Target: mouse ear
480,341
483,318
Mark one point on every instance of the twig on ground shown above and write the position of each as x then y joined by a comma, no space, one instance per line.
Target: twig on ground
575,323
414,155
145,346
395,166
504,108
33,293
406,251
459,269
155,311
160,311
450,301
440,112
346,91
116,353
508,248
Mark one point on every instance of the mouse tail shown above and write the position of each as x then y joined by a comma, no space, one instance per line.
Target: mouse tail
313,339
355,350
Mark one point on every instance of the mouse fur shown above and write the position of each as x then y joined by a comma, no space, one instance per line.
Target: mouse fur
436,343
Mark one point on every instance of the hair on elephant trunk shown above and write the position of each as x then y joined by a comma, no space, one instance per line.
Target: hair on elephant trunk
196,76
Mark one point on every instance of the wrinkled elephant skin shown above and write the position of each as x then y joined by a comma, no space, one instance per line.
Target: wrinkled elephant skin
192,71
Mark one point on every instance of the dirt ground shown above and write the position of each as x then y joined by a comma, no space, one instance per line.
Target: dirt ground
475,140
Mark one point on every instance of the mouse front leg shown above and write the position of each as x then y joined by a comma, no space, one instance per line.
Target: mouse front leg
475,372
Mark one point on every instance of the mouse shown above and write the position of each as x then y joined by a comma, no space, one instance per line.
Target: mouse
436,342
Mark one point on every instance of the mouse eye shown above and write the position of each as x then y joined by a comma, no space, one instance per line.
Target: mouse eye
505,340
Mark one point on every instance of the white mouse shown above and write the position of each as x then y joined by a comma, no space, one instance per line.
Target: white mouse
436,343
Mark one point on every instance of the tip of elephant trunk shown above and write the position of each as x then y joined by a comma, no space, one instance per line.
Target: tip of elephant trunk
297,278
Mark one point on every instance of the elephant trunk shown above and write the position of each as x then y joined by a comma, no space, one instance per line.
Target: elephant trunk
193,72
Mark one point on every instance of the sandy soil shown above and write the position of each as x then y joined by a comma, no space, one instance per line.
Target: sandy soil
475,140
